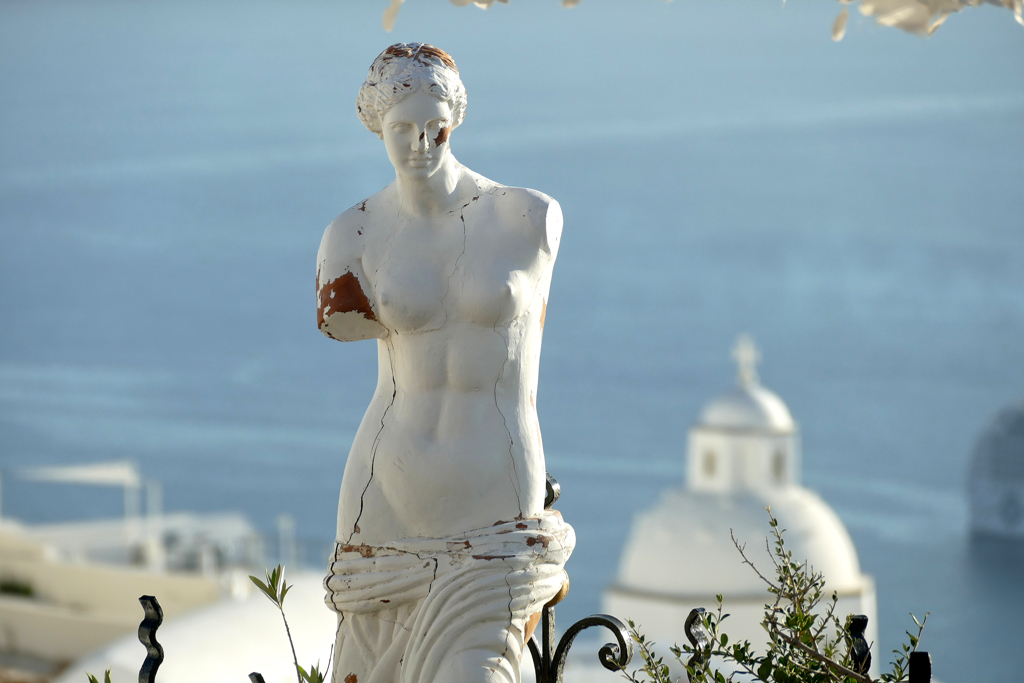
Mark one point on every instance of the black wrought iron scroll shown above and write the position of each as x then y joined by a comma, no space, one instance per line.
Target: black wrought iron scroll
697,635
549,666
147,636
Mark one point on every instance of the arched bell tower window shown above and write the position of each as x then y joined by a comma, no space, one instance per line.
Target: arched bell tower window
779,465
710,463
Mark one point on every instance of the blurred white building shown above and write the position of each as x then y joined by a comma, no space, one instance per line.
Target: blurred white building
225,641
996,477
743,455
69,588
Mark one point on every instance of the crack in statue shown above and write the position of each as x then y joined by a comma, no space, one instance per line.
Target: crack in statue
445,554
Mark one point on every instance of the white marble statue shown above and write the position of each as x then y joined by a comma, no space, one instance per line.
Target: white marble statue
445,554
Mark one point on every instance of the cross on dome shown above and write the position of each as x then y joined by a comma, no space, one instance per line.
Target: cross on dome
746,355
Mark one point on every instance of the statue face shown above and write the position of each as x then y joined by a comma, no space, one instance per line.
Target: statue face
416,134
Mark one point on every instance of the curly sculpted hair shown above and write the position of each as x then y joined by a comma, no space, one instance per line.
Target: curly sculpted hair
401,70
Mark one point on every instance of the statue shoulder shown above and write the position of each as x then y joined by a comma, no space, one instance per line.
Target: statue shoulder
344,293
345,234
542,213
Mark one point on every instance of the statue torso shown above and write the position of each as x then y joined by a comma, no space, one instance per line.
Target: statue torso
450,441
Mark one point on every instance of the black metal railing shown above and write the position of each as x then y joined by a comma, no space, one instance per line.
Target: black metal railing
147,636
919,669
549,656
548,666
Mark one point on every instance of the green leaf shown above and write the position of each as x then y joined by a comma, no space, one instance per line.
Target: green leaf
314,675
725,639
262,586
92,679
106,676
266,590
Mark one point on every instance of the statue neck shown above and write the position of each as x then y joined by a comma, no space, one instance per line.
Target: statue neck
434,194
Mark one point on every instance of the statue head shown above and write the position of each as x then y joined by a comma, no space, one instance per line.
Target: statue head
402,70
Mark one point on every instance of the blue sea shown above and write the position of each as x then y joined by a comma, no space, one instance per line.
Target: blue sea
167,170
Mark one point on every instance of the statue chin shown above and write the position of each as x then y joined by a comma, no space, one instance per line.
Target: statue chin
441,520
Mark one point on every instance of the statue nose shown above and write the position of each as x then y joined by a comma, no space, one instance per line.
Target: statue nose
421,144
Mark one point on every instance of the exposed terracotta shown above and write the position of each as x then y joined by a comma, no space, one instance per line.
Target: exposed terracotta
417,53
534,540
364,550
531,625
341,295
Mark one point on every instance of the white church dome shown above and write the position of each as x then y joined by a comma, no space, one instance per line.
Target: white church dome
683,548
743,455
748,407
996,476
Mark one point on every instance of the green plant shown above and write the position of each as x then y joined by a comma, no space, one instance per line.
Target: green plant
276,589
806,644
16,587
93,679
314,675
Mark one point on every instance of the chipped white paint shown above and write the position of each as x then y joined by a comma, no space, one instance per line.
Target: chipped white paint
444,549
922,17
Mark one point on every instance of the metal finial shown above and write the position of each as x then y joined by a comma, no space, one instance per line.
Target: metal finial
920,667
698,636
552,490
860,649
746,355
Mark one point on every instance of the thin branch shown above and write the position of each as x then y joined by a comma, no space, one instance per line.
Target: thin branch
748,562
835,666
290,642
